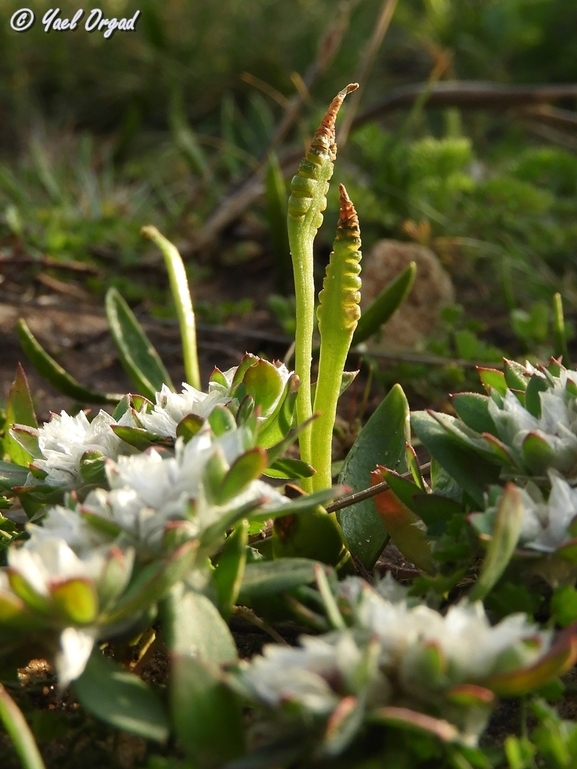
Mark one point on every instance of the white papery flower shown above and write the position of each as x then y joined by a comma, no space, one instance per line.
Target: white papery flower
315,674
149,490
64,440
557,424
47,565
171,408
471,646
52,561
545,525
68,525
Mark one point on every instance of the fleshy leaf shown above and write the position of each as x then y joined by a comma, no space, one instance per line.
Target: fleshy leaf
560,658
137,355
471,471
20,410
54,373
404,526
382,440
76,600
12,475
189,426
267,578
537,454
505,535
153,582
537,384
515,375
473,409
121,699
288,468
492,379
230,568
413,720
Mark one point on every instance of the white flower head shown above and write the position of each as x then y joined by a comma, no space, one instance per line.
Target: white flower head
314,675
64,440
171,408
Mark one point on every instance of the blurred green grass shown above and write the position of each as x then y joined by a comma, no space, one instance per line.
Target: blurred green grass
98,137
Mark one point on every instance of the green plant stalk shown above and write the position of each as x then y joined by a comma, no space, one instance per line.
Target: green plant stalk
338,314
182,300
306,203
19,732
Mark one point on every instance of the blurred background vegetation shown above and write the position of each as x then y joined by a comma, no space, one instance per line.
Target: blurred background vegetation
166,125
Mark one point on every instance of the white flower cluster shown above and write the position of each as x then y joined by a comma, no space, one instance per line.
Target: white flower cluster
65,439
171,408
556,426
149,490
72,589
315,676
546,521
80,556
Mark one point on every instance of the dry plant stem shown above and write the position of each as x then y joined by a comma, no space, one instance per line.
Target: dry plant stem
338,314
359,496
306,204
367,61
182,301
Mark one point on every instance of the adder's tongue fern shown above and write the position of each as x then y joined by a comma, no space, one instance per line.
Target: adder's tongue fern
306,203
338,314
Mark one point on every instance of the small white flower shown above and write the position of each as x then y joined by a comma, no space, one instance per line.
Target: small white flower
315,674
150,489
546,522
171,408
68,525
64,440
52,561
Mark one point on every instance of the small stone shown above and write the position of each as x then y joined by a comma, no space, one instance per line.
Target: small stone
419,314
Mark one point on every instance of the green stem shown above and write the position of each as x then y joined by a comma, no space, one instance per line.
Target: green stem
338,314
19,732
182,300
306,203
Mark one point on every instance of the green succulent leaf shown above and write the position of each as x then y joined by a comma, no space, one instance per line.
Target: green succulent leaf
54,373
537,454
516,375
268,578
227,575
76,600
12,475
382,441
493,379
505,535
537,384
138,357
20,410
473,409
472,472
121,699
